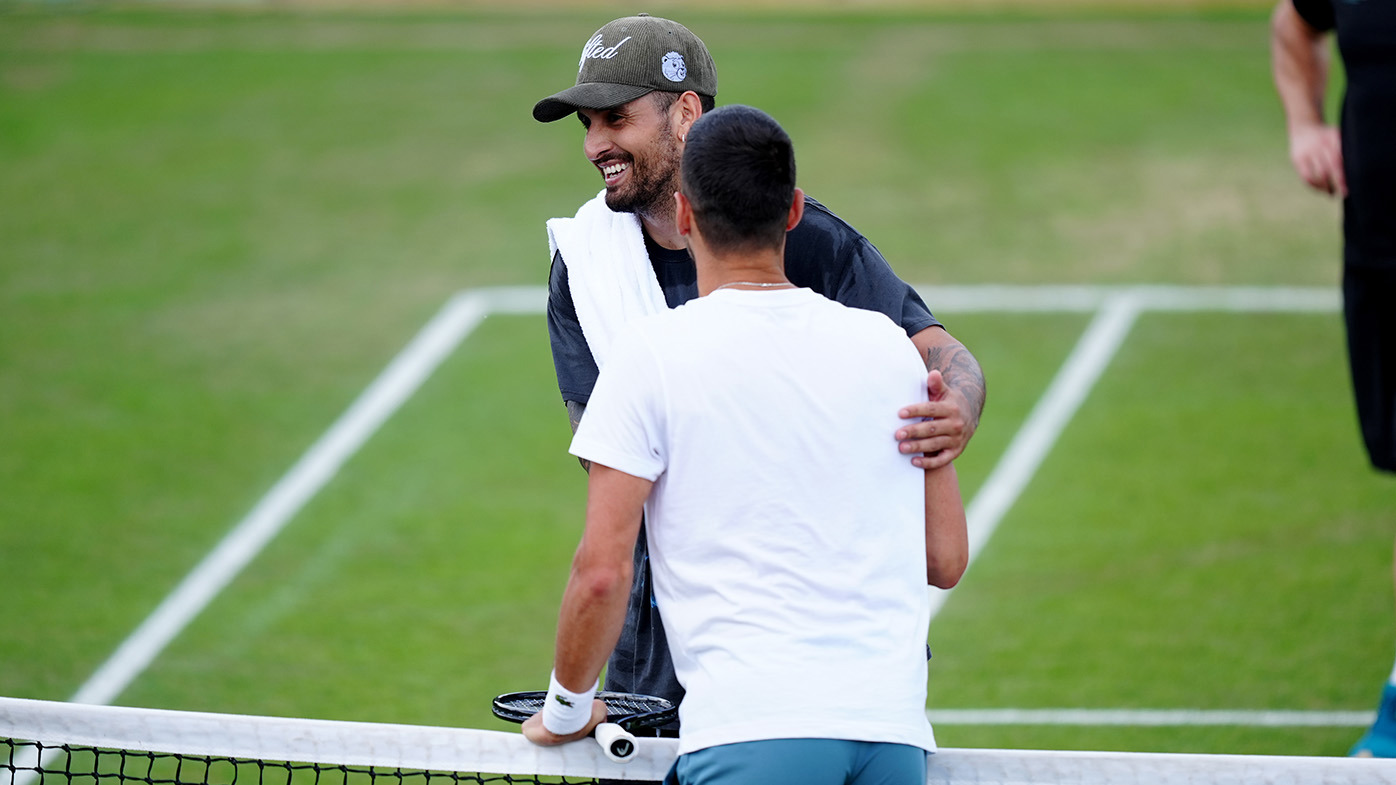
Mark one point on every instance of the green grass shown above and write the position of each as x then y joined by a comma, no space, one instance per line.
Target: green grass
216,229
1199,539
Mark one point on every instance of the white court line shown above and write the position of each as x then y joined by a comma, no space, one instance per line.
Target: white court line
1139,718
1048,419
1119,307
316,467
397,382
1088,299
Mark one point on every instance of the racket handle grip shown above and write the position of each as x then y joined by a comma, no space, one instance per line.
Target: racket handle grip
616,742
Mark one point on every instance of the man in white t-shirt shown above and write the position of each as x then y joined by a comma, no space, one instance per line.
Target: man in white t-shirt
791,562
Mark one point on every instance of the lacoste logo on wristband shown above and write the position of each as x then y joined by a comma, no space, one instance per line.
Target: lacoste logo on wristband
563,700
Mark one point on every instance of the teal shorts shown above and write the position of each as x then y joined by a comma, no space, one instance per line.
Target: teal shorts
802,762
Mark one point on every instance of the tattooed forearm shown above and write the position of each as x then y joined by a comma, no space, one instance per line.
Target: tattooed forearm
574,418
961,373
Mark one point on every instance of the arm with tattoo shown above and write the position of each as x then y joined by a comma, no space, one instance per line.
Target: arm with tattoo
944,424
962,374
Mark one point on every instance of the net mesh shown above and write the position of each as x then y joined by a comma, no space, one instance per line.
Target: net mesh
44,763
47,743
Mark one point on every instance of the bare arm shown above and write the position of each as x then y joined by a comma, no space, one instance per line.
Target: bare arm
593,605
947,538
955,404
1299,60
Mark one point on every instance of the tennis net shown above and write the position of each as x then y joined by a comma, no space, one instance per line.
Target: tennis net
49,743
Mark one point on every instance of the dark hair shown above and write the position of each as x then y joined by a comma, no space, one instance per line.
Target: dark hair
663,99
739,173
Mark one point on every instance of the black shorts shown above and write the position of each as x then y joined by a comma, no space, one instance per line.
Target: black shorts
641,661
1369,310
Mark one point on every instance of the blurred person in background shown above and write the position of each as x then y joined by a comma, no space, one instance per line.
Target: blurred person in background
1355,161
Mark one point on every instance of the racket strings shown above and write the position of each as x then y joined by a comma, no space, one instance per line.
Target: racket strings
632,704
620,706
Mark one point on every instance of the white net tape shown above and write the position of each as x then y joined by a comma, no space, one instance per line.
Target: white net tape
465,750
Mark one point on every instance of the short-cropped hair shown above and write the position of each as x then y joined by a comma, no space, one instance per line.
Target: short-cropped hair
738,172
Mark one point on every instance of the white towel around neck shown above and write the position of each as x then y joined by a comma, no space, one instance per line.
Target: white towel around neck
608,269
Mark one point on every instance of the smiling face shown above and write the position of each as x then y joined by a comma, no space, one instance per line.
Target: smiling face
635,149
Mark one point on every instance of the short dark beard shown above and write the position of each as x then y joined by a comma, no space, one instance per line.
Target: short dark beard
655,178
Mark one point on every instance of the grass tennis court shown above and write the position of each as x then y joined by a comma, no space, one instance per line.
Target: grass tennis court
219,227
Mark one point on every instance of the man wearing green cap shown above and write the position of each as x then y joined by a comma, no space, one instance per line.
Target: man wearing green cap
642,82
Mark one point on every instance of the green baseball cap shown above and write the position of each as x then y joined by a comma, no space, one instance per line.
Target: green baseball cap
628,58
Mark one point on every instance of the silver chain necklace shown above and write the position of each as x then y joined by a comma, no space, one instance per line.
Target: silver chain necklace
758,284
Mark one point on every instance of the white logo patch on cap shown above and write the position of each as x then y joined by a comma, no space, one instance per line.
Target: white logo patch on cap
673,67
595,51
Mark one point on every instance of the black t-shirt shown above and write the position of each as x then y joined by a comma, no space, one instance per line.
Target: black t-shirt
1366,31
822,253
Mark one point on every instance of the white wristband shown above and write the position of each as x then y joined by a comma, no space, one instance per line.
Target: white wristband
566,712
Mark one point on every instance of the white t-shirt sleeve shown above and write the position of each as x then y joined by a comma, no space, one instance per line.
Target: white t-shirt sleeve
623,424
